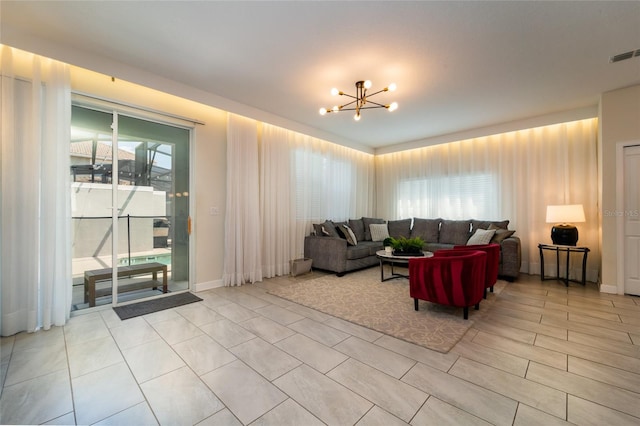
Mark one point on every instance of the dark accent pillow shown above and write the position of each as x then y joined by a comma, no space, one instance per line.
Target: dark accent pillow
400,228
366,221
485,224
357,226
339,230
455,232
317,229
501,234
330,229
427,229
348,234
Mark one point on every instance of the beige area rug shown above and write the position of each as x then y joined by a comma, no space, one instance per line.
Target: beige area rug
360,297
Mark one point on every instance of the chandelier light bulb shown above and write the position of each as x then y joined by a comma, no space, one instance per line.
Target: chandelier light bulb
367,84
392,87
357,116
336,108
393,106
334,91
323,111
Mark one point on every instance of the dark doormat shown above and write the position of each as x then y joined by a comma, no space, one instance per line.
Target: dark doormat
150,306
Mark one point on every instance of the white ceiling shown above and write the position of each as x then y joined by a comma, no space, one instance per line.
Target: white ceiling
458,65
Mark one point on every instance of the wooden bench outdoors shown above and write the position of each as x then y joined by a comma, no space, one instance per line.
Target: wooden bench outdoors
91,277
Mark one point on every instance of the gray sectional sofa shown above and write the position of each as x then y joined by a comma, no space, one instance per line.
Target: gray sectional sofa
332,249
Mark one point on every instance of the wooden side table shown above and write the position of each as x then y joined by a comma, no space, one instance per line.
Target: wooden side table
568,250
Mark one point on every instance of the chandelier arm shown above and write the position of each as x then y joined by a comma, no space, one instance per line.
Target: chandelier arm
347,104
375,93
375,103
372,107
348,95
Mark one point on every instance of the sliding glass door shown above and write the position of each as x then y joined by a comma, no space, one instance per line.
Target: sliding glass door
140,249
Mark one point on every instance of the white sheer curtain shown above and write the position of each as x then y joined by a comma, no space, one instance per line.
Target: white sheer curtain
35,261
511,176
242,260
304,180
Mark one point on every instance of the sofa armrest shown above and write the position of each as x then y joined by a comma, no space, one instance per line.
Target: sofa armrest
329,253
511,257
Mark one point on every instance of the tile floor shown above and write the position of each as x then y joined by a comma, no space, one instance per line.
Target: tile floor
544,355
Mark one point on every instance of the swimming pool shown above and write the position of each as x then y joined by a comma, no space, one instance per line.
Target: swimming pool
164,258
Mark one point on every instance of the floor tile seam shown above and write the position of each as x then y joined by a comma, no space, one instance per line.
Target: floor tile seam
483,362
616,346
606,383
327,377
517,378
71,390
531,347
601,405
572,325
516,325
602,352
589,398
375,342
471,385
608,325
587,313
374,403
376,368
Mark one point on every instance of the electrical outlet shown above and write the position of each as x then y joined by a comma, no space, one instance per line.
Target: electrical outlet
214,211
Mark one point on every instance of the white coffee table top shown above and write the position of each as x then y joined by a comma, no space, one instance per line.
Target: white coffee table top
391,256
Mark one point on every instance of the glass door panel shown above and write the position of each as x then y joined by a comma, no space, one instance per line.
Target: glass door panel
152,195
91,200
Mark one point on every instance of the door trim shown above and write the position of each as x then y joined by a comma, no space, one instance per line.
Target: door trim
619,287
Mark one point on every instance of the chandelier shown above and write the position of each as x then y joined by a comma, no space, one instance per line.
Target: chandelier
361,100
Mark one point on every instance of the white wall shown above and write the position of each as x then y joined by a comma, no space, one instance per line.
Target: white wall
619,122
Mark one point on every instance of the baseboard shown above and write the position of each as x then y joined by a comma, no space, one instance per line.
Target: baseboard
611,289
208,285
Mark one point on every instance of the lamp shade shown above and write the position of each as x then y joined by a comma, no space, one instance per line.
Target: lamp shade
566,213
563,233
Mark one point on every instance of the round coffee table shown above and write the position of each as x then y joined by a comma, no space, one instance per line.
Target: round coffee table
392,259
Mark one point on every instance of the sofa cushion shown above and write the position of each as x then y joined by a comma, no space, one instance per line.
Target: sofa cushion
358,252
481,236
357,226
485,224
379,231
455,232
501,234
400,228
366,221
427,229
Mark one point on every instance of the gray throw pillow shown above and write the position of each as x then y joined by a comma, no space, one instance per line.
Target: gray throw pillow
455,232
427,229
367,221
400,228
357,226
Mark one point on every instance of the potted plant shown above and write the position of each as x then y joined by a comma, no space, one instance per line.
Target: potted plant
387,243
403,246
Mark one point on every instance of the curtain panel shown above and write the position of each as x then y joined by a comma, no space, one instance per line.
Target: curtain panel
511,176
305,180
279,183
242,260
35,220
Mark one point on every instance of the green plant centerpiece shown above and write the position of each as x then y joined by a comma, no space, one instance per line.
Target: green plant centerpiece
403,246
